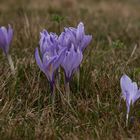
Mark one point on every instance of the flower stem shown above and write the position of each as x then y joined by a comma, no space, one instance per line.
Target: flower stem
78,78
67,88
58,78
11,64
127,119
53,95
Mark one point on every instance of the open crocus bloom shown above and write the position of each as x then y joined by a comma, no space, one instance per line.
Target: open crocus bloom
50,58
76,36
6,35
48,42
130,92
75,41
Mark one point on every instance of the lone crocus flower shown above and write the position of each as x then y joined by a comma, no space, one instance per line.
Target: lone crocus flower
6,36
49,57
130,92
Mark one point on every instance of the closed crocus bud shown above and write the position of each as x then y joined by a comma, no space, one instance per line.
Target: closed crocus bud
6,36
130,92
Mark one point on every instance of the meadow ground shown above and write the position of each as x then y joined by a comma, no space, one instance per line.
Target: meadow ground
25,108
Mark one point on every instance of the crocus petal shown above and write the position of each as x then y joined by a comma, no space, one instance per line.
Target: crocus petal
60,58
45,66
38,60
64,40
79,57
42,44
3,40
10,34
5,33
136,97
73,29
9,37
80,31
71,61
61,37
85,42
49,69
68,62
125,83
48,60
65,65
45,32
71,58
71,36
133,91
44,41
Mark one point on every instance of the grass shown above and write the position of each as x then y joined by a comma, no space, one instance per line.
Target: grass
25,108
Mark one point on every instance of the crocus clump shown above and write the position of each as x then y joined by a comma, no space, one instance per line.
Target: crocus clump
6,36
65,50
130,92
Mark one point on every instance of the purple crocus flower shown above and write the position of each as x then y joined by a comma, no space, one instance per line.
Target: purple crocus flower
72,59
6,35
51,57
76,36
75,40
130,92
48,42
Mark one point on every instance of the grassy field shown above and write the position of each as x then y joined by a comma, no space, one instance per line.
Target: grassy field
25,108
